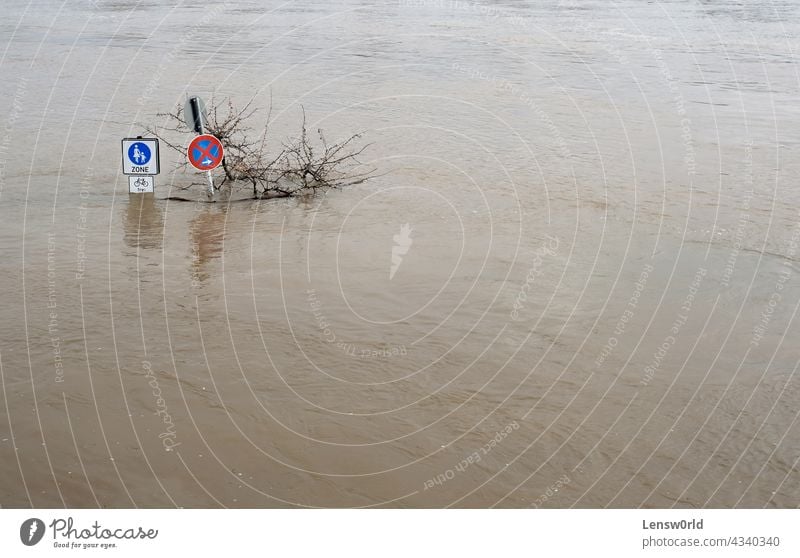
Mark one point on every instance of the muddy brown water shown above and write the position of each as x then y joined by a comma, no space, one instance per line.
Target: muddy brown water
574,284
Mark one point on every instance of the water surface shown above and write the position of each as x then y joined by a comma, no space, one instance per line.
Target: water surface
595,305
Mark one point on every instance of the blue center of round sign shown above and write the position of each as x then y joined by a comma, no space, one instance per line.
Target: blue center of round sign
201,155
139,153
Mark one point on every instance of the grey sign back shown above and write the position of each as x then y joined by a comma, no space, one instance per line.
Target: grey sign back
195,114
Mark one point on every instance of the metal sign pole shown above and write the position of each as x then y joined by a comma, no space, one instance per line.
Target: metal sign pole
210,184
199,127
197,114
195,117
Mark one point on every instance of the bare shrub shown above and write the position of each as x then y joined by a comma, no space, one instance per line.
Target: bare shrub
301,166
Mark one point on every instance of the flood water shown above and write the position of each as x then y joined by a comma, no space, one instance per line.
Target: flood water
573,281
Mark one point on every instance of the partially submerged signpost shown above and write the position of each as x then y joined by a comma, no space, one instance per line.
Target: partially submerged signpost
140,161
205,151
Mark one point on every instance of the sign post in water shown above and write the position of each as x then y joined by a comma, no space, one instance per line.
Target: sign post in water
196,119
140,161
205,153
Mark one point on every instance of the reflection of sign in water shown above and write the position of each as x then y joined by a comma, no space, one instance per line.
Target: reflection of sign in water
143,222
205,152
140,156
207,233
141,184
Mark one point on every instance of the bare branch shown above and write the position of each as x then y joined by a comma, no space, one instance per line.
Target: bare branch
299,168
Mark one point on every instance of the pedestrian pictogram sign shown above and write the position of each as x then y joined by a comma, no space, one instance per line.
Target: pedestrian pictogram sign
140,156
139,153
205,152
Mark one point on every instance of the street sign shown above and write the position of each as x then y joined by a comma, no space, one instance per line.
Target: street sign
205,152
194,114
140,156
141,184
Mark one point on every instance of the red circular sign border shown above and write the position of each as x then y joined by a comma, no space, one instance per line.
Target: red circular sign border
213,139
